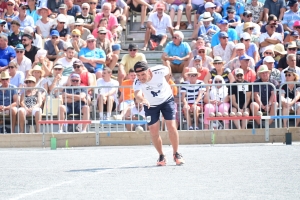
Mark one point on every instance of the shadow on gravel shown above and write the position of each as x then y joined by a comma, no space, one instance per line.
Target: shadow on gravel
103,169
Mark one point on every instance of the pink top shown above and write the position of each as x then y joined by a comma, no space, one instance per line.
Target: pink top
108,34
112,20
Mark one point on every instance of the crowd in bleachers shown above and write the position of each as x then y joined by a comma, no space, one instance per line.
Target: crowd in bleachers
48,44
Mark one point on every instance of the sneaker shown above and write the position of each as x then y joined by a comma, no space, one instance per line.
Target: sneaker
178,159
190,26
60,131
162,161
196,128
191,128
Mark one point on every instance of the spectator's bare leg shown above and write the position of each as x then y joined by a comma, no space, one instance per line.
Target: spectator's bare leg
85,116
147,38
196,115
172,16
236,122
196,20
186,113
38,117
126,11
113,62
100,104
273,109
179,15
61,116
156,139
285,111
109,103
121,76
254,109
298,113
188,12
129,127
195,32
14,118
143,15
163,40
22,116
173,134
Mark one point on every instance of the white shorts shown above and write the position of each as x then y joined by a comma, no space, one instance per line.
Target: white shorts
125,104
34,110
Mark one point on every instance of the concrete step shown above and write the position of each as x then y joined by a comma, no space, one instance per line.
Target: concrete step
150,55
140,34
135,26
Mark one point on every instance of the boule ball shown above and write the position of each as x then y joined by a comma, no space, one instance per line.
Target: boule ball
246,114
259,113
219,114
139,129
239,114
211,114
225,114
232,114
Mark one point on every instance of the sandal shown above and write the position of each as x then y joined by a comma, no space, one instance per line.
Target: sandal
144,49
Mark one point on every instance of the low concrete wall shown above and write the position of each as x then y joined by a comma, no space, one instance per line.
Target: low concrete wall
131,138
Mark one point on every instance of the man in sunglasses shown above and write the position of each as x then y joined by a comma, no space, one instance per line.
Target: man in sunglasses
274,73
153,91
72,9
240,97
23,19
87,18
291,49
226,49
224,27
62,28
269,38
23,63
291,61
129,60
75,102
290,16
54,45
247,17
248,73
30,50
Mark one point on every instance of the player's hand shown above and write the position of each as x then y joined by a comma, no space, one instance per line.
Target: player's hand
145,102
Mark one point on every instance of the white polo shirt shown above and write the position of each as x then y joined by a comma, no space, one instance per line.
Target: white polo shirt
265,35
160,25
240,29
25,64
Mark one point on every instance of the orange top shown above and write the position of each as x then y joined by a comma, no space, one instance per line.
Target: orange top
203,73
127,92
174,88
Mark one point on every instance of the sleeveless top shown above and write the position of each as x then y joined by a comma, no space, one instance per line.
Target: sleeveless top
31,101
227,71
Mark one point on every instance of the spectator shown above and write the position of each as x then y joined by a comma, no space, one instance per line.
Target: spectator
272,19
53,45
279,53
276,8
256,8
23,19
190,6
226,48
247,17
92,57
275,73
232,18
291,49
10,12
32,11
31,102
177,53
23,63
128,61
8,99
240,97
88,19
270,37
61,28
237,5
290,16
224,27
54,5
77,42
17,77
207,28
3,27
249,74
7,53
127,93
268,52
290,95
30,51
291,61
192,97
104,44
72,9
38,73
292,36
107,96
93,7
42,61
196,44
69,19
135,112
176,6
206,60
217,101
156,31
250,48
117,11
84,31
201,8
36,38
15,37
57,80
249,28
211,8
235,63
67,62
219,69
75,102
109,35
141,7
44,24
264,95
86,78
197,63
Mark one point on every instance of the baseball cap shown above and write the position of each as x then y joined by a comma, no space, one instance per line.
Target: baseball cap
239,46
58,66
291,2
268,59
77,62
20,47
197,57
290,70
28,36
23,4
230,9
76,32
2,21
223,34
209,5
238,71
75,75
223,21
102,30
12,1
247,12
28,30
133,46
293,33
160,6
246,36
244,57
54,33
140,66
63,6
90,37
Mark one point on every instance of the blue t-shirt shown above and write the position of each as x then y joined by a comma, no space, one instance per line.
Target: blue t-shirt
96,53
252,48
33,14
6,96
232,35
182,50
238,7
203,30
201,8
5,55
75,9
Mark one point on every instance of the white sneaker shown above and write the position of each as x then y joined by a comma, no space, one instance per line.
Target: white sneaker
60,131
190,26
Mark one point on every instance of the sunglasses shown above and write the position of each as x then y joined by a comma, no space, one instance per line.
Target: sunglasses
26,82
174,37
218,81
62,22
268,53
102,33
224,38
218,63
84,8
247,40
24,8
4,79
1,25
251,28
132,49
24,40
54,37
75,36
93,3
19,51
230,12
239,75
297,27
292,49
57,69
193,75
10,67
75,81
76,66
248,16
91,41
201,51
10,4
288,75
273,26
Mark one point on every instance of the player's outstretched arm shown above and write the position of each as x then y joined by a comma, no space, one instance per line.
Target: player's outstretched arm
140,98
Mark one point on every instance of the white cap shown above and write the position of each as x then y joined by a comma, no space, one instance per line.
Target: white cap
240,46
90,37
61,18
268,59
246,36
209,5
12,1
28,30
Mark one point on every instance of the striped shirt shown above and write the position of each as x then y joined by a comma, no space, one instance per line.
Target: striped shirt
192,91
290,17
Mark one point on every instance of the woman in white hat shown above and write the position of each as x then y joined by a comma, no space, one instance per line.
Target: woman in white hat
42,60
30,102
217,101
219,69
61,27
250,48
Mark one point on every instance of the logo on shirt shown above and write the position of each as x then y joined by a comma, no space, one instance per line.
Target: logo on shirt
160,84
155,93
149,88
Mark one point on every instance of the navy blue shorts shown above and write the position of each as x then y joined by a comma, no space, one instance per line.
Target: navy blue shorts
167,109
77,108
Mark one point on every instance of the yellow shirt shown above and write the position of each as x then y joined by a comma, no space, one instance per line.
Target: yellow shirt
128,62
